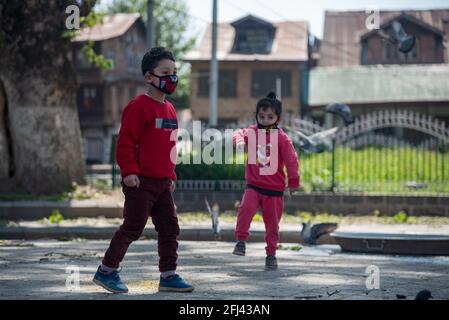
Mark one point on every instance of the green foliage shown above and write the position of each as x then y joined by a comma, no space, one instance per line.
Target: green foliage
210,172
231,169
89,21
96,59
171,21
291,248
400,217
55,217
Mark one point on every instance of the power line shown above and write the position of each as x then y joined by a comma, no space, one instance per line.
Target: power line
223,27
302,29
349,53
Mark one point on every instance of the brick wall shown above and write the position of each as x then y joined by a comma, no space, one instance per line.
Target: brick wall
429,47
243,106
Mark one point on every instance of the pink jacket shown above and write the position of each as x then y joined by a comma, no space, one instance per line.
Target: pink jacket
287,157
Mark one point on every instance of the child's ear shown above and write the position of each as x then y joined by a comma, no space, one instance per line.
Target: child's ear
148,78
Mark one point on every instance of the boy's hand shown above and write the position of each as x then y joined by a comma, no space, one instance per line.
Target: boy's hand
131,181
293,190
172,187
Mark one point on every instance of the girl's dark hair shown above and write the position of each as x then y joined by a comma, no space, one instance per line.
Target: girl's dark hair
270,102
151,59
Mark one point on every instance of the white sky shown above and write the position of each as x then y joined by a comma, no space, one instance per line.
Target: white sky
275,10
312,11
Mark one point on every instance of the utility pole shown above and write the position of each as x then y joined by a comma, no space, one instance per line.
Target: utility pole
150,24
279,88
213,81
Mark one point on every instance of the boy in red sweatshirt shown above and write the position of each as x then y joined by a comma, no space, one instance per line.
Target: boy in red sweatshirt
143,154
269,151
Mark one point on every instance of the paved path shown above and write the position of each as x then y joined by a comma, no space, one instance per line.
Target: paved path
37,270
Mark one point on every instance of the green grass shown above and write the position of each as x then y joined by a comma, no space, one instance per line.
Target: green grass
376,170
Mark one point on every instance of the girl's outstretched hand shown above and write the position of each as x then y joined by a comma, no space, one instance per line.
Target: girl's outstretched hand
293,190
241,146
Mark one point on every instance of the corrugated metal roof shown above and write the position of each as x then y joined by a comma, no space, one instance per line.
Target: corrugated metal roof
290,44
378,84
343,29
113,26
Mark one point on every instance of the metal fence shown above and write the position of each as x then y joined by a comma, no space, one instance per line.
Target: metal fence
386,151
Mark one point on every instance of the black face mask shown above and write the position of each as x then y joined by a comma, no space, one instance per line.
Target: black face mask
268,128
167,84
271,126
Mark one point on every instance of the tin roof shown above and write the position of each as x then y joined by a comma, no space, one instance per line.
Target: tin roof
290,44
343,30
379,84
113,26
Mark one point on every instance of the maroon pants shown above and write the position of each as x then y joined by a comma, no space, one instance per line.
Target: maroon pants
152,198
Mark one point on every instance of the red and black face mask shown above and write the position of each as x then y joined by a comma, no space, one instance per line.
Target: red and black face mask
167,84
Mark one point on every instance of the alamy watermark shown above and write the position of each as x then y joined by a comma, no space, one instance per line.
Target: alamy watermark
207,147
372,281
372,21
72,282
72,22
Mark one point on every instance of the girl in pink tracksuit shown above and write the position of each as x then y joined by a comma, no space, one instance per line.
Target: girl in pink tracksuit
269,151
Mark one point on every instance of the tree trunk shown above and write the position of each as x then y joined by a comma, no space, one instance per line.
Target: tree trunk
4,152
40,85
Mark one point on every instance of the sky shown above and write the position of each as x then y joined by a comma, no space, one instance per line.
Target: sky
200,11
311,10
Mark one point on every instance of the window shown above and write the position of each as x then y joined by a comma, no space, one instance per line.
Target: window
89,99
413,55
94,150
393,55
81,59
227,83
252,40
390,52
130,59
264,81
111,56
89,96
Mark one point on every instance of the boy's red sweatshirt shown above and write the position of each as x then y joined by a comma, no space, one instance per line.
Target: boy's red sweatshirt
144,145
287,157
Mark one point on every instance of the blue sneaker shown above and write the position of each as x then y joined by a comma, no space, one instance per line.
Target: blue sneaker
174,284
110,282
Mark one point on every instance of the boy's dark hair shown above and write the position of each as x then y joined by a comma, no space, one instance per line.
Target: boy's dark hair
151,59
270,102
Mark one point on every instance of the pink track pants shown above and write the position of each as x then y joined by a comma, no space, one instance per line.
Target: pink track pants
271,212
